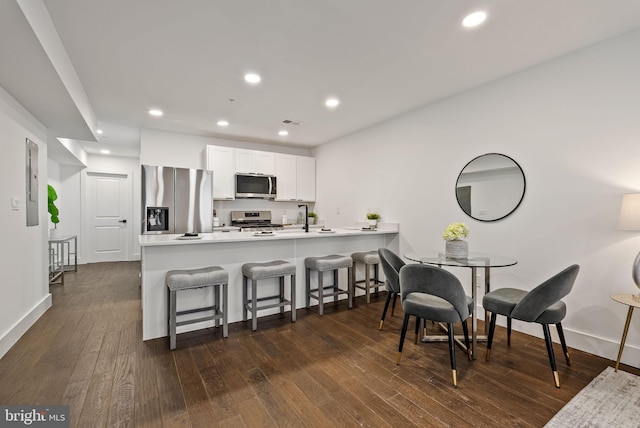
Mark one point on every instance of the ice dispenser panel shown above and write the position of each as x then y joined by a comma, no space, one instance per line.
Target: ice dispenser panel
157,219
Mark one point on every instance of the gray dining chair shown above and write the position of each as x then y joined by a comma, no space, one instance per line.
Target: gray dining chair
391,265
431,293
542,305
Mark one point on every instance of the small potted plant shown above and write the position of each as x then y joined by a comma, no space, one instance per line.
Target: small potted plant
52,196
313,217
373,219
455,245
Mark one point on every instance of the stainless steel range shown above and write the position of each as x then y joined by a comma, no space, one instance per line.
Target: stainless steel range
253,221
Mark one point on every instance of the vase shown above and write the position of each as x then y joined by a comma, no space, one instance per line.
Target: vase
373,223
456,249
55,233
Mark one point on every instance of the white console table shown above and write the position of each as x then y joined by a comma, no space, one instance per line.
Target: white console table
59,253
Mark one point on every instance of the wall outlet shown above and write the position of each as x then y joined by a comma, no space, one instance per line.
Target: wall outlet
15,203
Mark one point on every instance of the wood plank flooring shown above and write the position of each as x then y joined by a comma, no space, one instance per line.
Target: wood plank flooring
335,370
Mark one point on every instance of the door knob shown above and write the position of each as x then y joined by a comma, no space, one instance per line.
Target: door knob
122,221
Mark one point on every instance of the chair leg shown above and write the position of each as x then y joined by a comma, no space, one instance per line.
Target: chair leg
403,333
352,274
415,338
282,299
552,359
376,277
245,298
465,330
393,306
492,329
293,298
563,343
320,293
508,331
216,303
254,304
335,285
225,308
308,287
367,279
172,319
351,288
452,354
384,311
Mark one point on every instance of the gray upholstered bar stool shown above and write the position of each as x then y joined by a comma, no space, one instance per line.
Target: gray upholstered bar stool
332,263
178,280
370,259
257,271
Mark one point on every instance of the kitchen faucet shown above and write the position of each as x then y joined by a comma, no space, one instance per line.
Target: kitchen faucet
306,217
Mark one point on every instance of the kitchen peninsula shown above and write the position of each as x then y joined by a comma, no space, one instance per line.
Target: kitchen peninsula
230,250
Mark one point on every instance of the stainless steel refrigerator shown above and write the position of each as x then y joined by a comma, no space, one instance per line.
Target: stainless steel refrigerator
176,200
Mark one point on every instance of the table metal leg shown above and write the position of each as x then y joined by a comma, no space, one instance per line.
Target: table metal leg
487,288
624,335
474,316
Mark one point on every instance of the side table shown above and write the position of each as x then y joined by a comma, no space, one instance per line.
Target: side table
633,301
57,266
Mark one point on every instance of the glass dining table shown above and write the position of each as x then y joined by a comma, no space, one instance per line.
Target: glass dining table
474,261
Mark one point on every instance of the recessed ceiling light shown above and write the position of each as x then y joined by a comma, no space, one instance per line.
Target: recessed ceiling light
252,78
283,133
155,112
222,122
99,131
332,102
105,151
474,19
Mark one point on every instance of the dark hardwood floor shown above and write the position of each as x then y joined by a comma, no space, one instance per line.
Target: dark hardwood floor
335,370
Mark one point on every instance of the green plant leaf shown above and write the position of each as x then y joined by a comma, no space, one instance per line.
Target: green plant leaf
53,210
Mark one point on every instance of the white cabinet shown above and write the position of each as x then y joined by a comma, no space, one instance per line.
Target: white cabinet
286,176
221,161
255,162
296,178
306,178
296,175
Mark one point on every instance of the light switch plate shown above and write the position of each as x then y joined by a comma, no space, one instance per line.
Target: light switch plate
15,203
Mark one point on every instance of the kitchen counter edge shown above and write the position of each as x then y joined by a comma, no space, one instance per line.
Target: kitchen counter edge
221,237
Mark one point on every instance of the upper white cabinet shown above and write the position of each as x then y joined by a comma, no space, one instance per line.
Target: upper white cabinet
286,175
296,178
296,175
306,178
221,161
255,162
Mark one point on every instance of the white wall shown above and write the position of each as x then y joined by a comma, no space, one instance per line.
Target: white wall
572,124
23,250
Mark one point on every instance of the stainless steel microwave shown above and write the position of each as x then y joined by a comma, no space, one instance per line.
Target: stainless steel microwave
259,186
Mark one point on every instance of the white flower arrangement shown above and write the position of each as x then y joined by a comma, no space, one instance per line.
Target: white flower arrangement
455,231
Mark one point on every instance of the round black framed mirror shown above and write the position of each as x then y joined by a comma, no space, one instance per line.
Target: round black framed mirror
490,187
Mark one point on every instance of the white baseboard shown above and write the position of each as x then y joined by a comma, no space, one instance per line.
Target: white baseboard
18,329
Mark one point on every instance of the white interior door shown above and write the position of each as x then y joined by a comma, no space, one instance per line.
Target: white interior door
108,215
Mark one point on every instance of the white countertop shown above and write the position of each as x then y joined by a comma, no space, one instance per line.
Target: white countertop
221,237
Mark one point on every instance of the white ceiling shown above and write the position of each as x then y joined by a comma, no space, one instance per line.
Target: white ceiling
188,57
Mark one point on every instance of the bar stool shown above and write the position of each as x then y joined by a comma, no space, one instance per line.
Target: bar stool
255,271
320,265
369,259
178,280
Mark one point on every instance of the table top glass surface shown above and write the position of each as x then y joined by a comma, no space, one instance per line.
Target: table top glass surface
473,260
